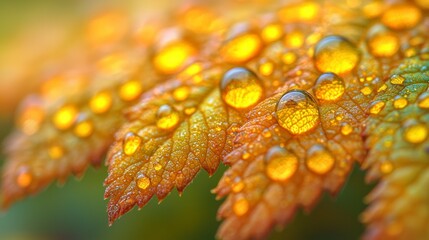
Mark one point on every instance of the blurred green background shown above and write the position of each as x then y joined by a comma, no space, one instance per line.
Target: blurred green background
77,209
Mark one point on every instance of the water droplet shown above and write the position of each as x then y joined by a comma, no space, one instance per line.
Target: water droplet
313,38
373,9
382,88
272,32
130,90
400,102
266,69
31,119
114,63
107,27
294,39
423,100
181,93
382,43
245,155
336,54
237,185
346,129
241,48
266,133
192,71
241,207
143,182
131,143
401,16
415,132
157,166
241,88
397,79
366,90
201,20
319,159
305,11
24,177
281,164
173,57
329,87
289,58
56,152
65,117
376,107
101,102
168,117
386,167
84,128
297,112
190,110
422,3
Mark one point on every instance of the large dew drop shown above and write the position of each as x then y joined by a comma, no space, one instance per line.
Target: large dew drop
241,88
297,112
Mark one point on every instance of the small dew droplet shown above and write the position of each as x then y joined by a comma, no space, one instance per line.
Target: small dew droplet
173,57
401,16
131,143
31,119
346,129
237,185
272,32
386,167
382,43
366,90
415,132
423,100
168,117
56,152
241,207
397,79
329,87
